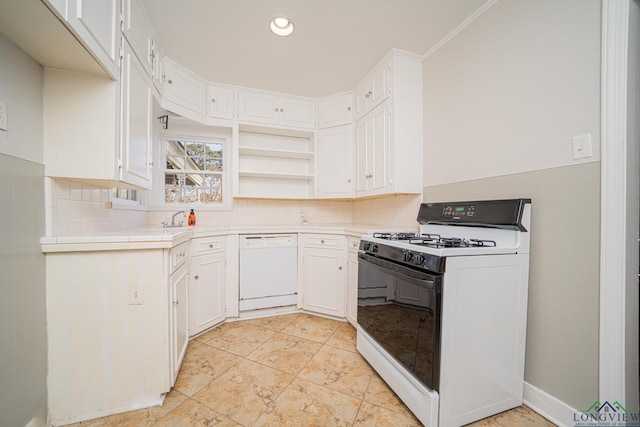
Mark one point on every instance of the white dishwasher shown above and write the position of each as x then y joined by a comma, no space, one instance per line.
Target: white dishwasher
268,270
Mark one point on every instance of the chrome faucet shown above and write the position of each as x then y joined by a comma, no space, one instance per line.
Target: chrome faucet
173,220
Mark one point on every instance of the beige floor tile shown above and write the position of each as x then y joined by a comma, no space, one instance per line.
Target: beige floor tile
240,340
380,394
245,391
339,370
522,416
372,415
344,337
276,323
193,414
285,352
217,331
201,366
307,404
312,328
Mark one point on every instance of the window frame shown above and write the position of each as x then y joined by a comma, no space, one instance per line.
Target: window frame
185,137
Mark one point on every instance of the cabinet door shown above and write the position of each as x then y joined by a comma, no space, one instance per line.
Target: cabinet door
206,292
179,320
97,24
136,115
335,162
362,162
379,143
220,102
184,89
352,288
296,113
257,107
378,85
138,31
335,111
324,277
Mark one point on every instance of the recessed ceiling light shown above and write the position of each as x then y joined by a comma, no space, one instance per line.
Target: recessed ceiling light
281,26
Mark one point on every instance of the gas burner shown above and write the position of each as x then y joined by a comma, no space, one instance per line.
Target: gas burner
435,241
395,236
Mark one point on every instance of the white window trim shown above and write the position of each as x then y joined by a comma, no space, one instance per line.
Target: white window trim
159,204
125,204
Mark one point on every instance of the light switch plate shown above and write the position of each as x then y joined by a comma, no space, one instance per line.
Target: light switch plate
136,294
582,146
3,117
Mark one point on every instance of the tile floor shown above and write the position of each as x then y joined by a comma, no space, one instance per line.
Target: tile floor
290,370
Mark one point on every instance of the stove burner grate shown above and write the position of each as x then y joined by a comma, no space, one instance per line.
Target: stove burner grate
395,236
435,241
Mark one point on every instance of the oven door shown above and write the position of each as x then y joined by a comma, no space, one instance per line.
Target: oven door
399,307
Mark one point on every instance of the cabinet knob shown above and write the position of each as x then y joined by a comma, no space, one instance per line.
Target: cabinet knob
340,268
196,277
213,100
348,108
170,81
175,302
349,180
322,241
210,245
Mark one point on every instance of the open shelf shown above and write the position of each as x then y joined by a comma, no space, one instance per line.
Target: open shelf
266,152
275,175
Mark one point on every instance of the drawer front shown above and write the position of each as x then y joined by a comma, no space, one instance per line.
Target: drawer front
327,241
206,245
353,243
178,255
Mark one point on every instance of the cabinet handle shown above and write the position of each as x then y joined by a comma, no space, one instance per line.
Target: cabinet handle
196,277
170,81
368,176
175,302
213,100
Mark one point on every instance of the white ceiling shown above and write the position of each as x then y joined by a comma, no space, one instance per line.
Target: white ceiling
334,45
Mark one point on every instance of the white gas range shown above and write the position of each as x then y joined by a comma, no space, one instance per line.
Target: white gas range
442,311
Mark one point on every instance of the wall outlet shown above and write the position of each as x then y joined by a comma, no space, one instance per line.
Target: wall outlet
136,294
582,146
3,117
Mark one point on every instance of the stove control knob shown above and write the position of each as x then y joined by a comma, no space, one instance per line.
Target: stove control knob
374,249
367,246
418,260
408,256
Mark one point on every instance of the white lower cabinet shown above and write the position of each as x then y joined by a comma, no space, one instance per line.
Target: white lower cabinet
178,331
352,281
116,329
324,274
206,284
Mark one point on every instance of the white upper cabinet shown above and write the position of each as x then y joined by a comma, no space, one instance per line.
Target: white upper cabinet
389,127
220,102
184,92
97,25
373,89
258,107
139,33
335,173
335,110
135,122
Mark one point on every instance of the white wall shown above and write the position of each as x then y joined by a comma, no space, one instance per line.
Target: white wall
502,100
23,351
508,93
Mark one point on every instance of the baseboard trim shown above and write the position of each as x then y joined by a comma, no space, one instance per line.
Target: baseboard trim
548,406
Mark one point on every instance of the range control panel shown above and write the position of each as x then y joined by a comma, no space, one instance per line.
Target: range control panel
452,211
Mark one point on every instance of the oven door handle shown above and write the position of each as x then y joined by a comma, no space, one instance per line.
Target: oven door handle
399,271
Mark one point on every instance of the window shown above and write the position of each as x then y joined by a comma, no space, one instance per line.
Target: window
123,198
194,171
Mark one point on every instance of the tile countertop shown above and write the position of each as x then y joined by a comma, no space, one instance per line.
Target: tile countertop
154,237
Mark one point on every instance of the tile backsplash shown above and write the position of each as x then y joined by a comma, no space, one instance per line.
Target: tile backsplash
78,208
